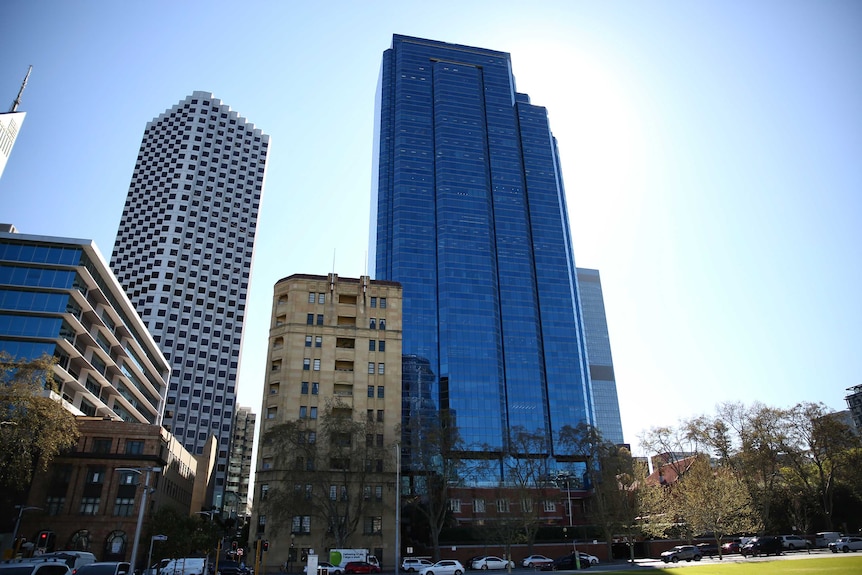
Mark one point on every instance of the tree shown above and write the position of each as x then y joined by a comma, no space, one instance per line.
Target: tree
611,476
818,449
187,535
327,469
34,427
519,494
436,466
713,501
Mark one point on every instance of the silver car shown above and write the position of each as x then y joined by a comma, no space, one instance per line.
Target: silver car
444,567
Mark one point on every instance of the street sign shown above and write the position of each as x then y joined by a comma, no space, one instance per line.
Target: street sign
160,537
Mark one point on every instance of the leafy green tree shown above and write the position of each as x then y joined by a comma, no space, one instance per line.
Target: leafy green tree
186,535
712,500
34,427
819,450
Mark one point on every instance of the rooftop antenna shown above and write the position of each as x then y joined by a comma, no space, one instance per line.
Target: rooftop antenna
17,101
333,260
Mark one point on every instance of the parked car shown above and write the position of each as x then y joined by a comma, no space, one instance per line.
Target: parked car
824,538
330,568
568,562
792,542
35,568
186,566
765,545
591,559
444,567
731,546
228,567
707,549
74,559
686,552
363,567
412,564
105,568
491,562
536,561
846,544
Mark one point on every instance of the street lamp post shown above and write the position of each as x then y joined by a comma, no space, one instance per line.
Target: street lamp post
139,471
568,478
397,506
21,510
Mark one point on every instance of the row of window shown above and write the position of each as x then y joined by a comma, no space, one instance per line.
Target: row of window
301,524
123,506
373,345
503,505
321,298
373,323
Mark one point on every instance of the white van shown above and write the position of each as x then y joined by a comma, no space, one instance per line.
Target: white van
824,538
74,559
186,566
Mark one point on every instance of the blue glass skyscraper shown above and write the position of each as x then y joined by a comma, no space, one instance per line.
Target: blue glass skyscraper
469,215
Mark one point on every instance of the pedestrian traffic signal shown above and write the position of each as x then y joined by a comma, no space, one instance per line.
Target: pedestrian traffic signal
266,545
233,546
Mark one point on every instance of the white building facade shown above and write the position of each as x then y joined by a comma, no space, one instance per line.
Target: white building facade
184,252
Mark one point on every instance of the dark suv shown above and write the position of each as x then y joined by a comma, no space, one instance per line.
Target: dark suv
765,545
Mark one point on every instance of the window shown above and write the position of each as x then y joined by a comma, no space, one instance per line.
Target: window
308,341
378,492
380,392
371,367
366,492
320,319
371,343
550,506
271,412
380,415
264,491
383,303
309,319
318,341
54,505
102,445
311,297
321,298
455,505
372,323
478,506
374,302
306,364
123,506
134,447
372,525
382,323
89,506
371,389
301,524
312,413
303,388
381,345
502,506
527,505
315,388
316,365
303,412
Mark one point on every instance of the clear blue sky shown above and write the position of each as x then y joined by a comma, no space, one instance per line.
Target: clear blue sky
711,151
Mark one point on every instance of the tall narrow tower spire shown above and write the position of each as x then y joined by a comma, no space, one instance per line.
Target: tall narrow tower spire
17,101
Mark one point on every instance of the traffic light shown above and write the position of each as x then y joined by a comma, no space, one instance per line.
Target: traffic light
266,545
233,546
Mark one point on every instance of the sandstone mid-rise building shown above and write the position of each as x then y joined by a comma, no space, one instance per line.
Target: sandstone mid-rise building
326,465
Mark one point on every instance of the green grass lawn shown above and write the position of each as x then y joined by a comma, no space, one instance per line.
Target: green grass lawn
813,566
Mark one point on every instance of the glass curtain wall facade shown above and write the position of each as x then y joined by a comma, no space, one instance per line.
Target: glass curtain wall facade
469,214
607,405
58,298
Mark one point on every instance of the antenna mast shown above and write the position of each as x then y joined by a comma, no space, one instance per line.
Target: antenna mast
17,101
